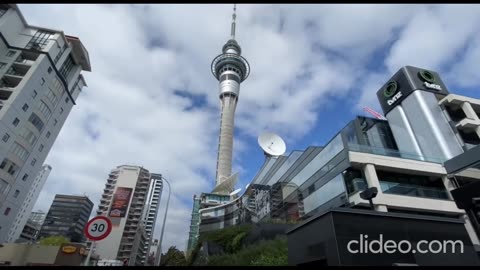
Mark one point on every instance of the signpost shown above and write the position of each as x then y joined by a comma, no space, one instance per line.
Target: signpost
98,228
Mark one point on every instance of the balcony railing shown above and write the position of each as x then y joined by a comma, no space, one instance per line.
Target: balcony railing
392,153
413,190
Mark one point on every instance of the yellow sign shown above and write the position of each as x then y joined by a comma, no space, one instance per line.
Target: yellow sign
69,249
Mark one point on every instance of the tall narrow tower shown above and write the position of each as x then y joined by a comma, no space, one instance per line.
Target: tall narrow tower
230,69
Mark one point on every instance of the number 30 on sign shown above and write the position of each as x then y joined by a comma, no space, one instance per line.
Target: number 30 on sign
98,228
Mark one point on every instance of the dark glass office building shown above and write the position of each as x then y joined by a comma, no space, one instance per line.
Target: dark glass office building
67,217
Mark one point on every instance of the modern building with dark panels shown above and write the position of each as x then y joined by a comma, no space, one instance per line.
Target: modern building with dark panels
353,237
67,217
403,157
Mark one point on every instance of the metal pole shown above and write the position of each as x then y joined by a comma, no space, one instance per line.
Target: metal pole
87,260
159,249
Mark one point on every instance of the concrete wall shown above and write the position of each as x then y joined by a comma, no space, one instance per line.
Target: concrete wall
23,254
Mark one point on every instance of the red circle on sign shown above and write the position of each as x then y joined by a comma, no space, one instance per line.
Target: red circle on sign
102,236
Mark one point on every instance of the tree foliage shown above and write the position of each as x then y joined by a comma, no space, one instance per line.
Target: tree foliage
265,253
54,240
173,257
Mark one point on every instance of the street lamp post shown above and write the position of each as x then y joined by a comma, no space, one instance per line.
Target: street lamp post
159,249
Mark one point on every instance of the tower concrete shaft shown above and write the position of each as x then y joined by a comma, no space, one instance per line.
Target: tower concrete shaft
230,69
225,142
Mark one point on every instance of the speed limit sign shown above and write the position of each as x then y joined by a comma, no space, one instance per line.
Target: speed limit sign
98,228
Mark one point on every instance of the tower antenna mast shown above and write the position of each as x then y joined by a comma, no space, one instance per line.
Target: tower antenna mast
234,16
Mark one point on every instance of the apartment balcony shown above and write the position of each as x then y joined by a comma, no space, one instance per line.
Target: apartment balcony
107,195
5,93
468,124
27,58
10,81
17,70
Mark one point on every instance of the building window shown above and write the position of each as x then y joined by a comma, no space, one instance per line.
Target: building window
67,67
3,186
36,121
28,135
3,164
44,109
61,110
65,46
7,211
33,162
25,177
49,70
34,94
52,97
66,100
43,81
2,65
10,53
3,10
55,122
25,107
12,170
6,137
16,121
19,151
40,148
39,40
48,135
17,192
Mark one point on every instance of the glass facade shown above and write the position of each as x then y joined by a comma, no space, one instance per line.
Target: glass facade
412,185
193,235
67,216
292,158
295,187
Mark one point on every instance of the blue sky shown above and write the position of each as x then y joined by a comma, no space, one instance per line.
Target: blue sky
151,99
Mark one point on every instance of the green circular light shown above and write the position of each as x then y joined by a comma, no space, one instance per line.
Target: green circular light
427,76
390,89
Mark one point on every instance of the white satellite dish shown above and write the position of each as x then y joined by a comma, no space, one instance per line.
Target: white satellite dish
235,192
272,144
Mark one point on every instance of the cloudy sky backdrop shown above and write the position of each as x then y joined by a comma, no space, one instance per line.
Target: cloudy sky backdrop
152,101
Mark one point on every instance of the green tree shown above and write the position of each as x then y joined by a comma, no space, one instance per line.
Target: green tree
173,257
54,240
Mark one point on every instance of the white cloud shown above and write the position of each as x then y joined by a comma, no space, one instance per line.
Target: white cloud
301,57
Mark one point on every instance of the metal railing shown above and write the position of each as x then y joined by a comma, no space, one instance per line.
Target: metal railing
413,190
392,153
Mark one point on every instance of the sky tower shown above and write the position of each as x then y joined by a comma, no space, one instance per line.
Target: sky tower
230,69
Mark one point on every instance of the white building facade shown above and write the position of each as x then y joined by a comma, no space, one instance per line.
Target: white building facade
152,206
130,200
25,212
40,82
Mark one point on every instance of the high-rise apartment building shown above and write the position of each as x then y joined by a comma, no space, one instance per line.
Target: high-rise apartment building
130,199
40,81
67,217
152,205
25,212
